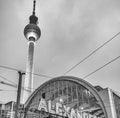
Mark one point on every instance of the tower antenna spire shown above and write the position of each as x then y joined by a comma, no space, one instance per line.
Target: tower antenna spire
34,5
33,18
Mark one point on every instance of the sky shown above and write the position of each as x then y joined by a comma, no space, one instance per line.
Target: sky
71,30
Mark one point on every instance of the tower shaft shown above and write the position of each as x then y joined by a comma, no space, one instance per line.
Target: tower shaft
32,33
28,83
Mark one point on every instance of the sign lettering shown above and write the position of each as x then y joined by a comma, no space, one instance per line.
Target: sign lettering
62,110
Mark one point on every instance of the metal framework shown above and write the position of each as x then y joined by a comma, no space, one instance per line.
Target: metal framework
73,91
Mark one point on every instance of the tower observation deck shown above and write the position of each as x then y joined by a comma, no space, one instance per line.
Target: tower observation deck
32,33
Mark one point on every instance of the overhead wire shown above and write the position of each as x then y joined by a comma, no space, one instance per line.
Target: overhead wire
101,67
91,53
105,101
74,65
12,85
3,90
14,69
8,84
83,77
7,80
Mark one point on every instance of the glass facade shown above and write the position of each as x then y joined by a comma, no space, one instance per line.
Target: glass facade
70,95
69,92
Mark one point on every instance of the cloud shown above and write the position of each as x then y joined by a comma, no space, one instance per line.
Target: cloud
71,29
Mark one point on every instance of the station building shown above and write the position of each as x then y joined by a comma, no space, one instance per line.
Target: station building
72,97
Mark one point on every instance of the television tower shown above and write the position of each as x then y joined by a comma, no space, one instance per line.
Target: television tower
32,33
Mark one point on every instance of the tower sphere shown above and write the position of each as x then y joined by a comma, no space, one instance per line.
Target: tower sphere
32,31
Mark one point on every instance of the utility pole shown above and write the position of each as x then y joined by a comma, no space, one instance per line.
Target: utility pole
18,93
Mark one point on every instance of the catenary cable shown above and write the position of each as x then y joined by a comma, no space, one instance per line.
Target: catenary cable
14,86
7,80
105,101
4,90
41,75
101,67
91,53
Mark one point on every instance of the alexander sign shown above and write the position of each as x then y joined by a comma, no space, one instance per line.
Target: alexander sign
62,110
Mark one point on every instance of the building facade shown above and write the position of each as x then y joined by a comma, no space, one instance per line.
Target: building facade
66,97
111,101
2,111
7,110
10,109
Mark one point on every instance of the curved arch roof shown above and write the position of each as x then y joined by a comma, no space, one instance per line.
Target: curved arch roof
72,79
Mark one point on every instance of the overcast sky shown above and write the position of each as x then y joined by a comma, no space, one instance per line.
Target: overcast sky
71,30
